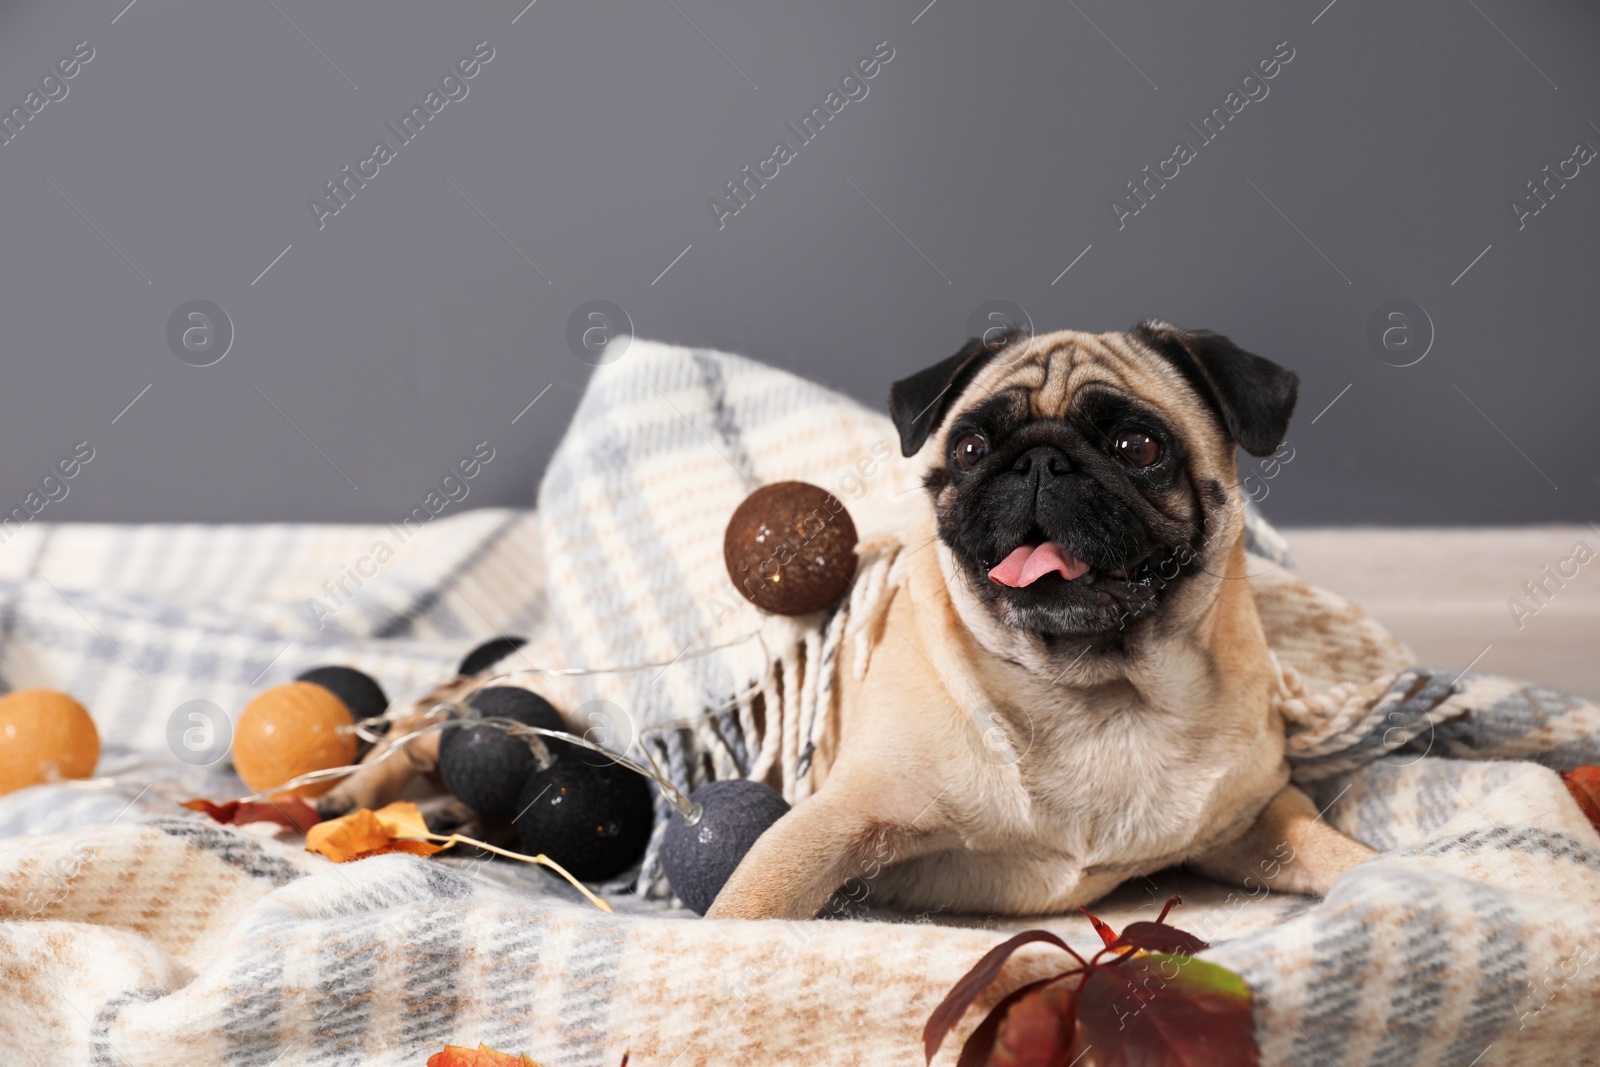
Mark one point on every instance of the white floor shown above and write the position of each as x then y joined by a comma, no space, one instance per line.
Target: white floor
1446,593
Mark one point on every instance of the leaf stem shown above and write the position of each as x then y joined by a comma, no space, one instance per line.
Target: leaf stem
541,859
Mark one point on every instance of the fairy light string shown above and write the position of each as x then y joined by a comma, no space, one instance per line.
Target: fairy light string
460,712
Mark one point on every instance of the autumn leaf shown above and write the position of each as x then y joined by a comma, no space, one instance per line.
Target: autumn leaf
411,848
222,813
1037,1031
1584,785
1162,1008
400,827
982,1040
1158,936
365,833
286,810
1108,935
974,982
402,819
482,1056
1144,1000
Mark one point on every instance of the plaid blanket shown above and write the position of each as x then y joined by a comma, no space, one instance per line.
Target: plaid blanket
131,933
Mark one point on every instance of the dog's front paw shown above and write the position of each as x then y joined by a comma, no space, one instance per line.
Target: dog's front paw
333,804
447,815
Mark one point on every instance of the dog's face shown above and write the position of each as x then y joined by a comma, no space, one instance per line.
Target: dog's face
1081,481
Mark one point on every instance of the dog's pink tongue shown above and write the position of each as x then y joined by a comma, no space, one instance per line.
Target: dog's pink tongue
1028,563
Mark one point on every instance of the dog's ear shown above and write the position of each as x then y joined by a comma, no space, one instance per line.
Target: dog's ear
918,403
1253,397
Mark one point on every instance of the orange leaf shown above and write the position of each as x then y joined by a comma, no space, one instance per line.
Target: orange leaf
347,836
365,833
285,810
1107,935
482,1056
415,848
402,819
1584,785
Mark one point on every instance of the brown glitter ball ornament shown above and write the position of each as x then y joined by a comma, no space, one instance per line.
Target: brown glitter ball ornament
791,548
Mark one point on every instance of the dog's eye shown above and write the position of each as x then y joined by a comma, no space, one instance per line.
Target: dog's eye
969,450
1138,449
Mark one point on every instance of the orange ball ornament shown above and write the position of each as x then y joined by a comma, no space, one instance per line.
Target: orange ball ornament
45,736
290,730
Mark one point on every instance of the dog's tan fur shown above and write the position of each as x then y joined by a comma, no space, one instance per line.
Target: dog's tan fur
1070,778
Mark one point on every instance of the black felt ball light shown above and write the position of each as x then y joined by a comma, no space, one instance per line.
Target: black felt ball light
359,692
700,856
488,654
593,820
484,766
586,812
592,814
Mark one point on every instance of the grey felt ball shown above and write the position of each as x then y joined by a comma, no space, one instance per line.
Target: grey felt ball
700,859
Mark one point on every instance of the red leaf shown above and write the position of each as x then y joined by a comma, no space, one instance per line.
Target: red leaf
1038,1030
287,811
1163,1010
1107,934
482,1056
1584,785
964,992
223,813
1159,937
1150,1004
980,1043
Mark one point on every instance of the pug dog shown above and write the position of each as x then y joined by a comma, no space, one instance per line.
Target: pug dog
1073,687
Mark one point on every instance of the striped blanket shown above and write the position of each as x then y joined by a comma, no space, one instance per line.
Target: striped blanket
133,933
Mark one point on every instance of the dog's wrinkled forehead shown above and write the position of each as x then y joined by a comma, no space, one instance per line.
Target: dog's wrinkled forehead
1039,377
1205,383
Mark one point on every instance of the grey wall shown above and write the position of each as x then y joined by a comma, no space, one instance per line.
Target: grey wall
380,348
